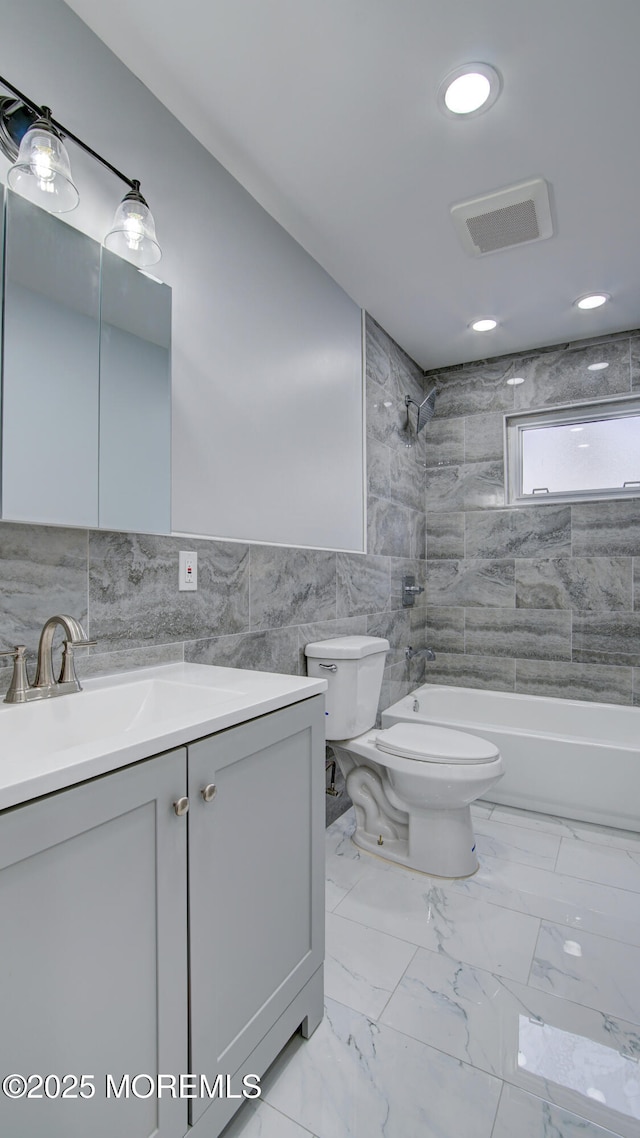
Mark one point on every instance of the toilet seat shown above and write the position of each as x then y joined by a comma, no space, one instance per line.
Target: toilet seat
428,744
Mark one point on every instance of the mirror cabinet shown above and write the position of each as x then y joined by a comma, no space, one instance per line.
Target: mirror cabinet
86,380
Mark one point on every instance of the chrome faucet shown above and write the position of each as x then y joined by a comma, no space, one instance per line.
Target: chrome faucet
415,653
45,685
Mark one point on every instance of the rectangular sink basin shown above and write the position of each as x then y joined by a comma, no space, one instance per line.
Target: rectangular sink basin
50,743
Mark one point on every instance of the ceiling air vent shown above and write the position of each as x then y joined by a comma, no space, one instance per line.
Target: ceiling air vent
516,215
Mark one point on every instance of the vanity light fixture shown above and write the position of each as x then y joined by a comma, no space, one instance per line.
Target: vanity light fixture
34,142
593,300
469,90
485,325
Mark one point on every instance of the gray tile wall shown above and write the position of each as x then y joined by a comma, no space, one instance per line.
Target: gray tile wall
256,605
539,599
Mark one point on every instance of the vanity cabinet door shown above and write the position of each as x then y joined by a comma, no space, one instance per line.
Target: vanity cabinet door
93,954
256,881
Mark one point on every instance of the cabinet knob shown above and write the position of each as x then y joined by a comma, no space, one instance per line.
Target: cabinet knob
209,792
181,806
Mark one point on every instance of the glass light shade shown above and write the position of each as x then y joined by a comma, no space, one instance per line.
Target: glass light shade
133,233
42,171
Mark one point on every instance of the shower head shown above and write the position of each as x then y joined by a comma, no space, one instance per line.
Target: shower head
426,409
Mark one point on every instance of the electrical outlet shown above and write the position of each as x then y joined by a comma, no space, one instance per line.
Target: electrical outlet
187,571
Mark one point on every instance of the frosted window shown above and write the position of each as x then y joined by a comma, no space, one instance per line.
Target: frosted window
579,452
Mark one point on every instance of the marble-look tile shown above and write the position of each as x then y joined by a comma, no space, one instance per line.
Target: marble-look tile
634,345
363,584
275,650
531,1117
484,437
604,864
377,349
475,388
378,467
590,970
445,629
362,966
385,415
541,634
345,862
523,532
636,583
636,687
472,582
555,1048
394,627
587,583
263,1121
569,828
567,370
355,1079
607,638
599,683
326,630
579,905
445,443
107,663
473,672
398,681
400,567
406,478
412,907
478,485
528,847
43,570
134,598
606,529
394,530
291,586
445,536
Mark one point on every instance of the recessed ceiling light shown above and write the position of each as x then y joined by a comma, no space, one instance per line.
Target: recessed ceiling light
598,367
574,429
484,325
469,90
515,380
581,446
593,300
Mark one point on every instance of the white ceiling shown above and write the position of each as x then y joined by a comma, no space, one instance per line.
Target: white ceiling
325,111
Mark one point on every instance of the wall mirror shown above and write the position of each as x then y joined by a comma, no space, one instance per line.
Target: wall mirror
86,393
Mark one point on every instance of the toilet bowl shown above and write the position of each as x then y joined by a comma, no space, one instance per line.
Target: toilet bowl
411,784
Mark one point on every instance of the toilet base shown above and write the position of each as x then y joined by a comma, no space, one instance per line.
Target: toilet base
440,843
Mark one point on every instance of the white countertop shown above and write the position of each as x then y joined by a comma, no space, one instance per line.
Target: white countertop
116,720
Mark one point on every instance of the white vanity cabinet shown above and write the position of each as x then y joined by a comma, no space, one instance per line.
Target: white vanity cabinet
138,940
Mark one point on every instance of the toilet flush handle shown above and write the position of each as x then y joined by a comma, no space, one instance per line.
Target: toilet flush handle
329,667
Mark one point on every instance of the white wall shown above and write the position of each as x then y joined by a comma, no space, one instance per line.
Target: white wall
267,384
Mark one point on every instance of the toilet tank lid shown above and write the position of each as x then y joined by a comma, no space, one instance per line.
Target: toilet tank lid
346,647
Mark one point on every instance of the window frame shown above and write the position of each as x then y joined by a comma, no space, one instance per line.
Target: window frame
516,422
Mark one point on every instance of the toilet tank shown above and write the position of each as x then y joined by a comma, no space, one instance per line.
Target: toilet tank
353,667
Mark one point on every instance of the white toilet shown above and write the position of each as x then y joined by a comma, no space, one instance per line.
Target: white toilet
411,784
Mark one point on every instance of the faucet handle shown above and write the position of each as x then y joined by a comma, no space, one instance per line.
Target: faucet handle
19,686
68,669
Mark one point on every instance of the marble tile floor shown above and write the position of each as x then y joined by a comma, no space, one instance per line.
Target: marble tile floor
506,1005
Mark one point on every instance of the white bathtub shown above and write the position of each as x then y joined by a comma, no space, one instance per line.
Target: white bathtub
562,756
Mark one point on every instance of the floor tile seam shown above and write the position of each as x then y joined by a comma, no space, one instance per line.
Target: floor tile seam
499,1104
599,848
569,876
550,866
382,932
430,1046
392,994
522,837
290,1118
570,1109
607,1012
602,884
600,936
